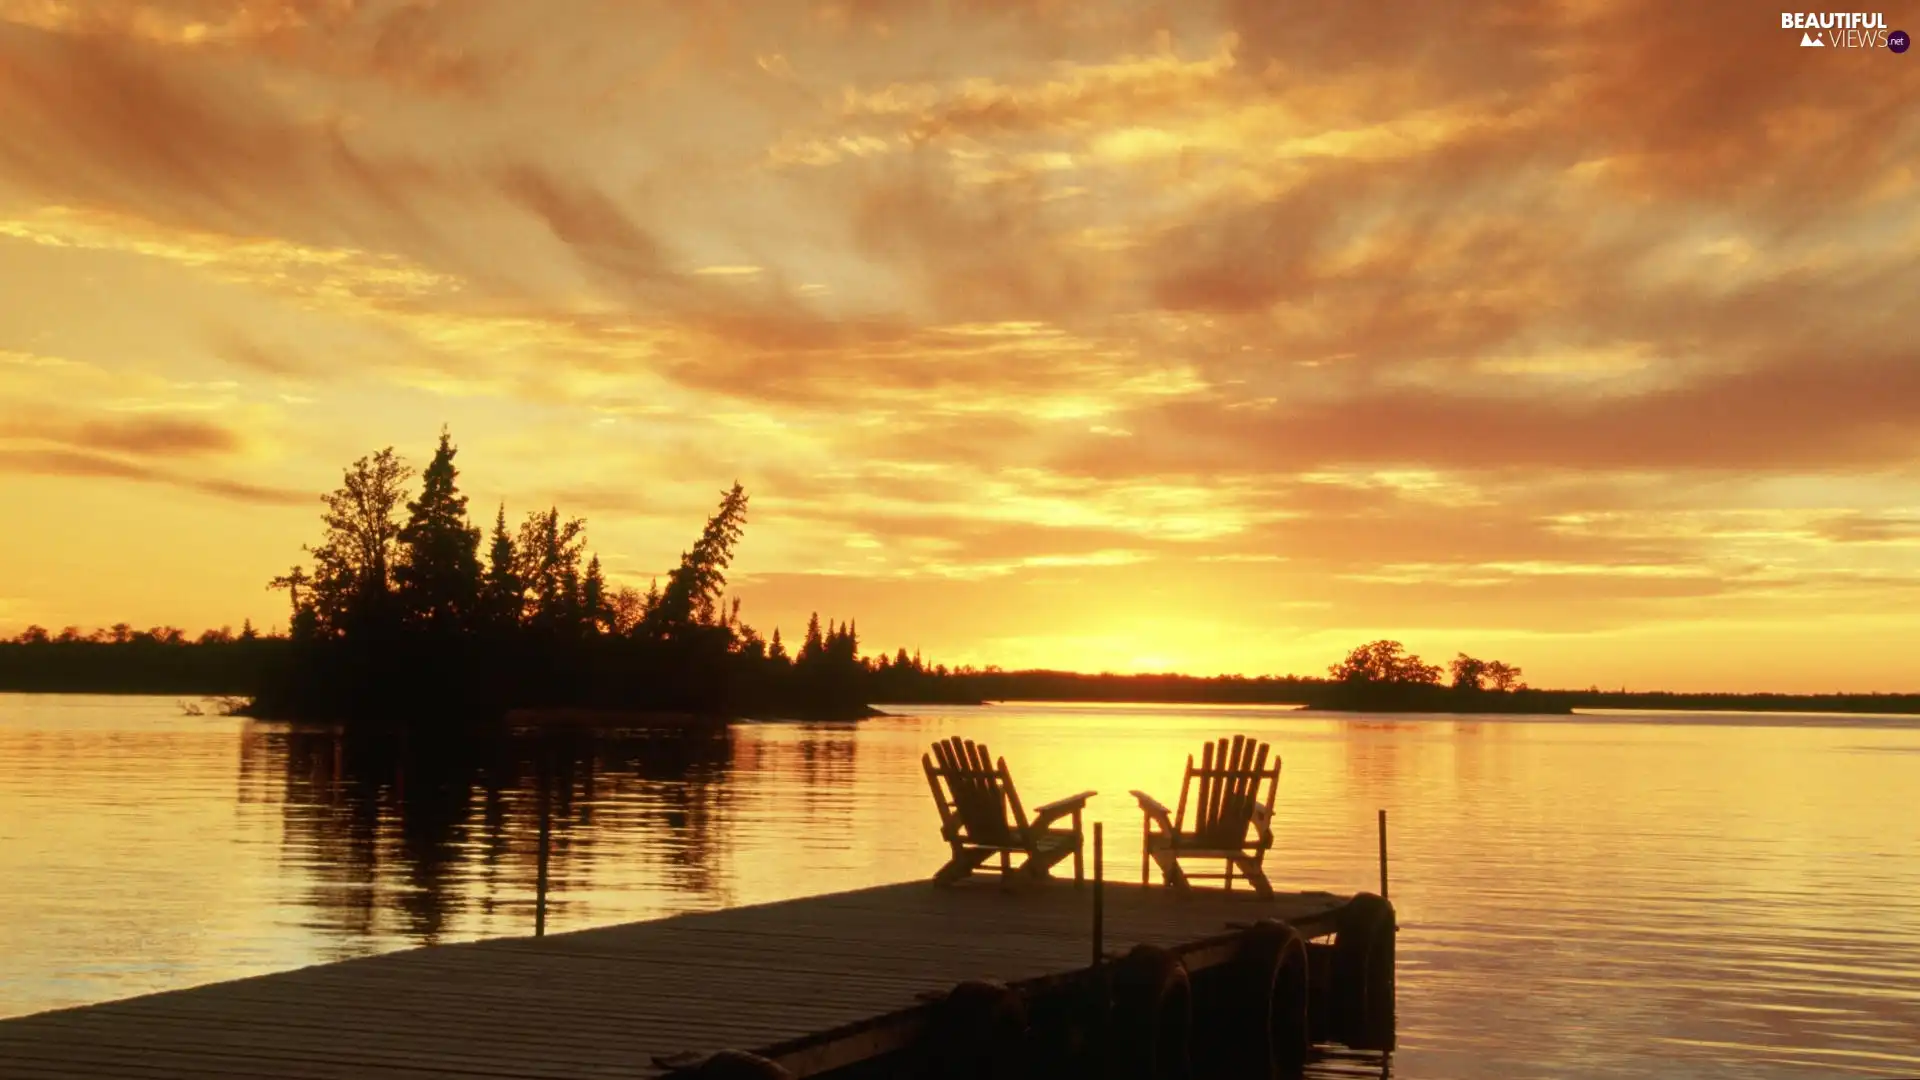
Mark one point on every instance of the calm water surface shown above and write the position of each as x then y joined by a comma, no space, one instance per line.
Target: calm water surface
1581,897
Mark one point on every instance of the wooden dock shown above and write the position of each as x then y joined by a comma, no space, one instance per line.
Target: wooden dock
618,1001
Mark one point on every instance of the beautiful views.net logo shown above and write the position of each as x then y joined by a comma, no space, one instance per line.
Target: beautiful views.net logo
1844,30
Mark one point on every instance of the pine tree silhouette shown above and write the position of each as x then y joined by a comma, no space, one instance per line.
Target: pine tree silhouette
438,579
502,594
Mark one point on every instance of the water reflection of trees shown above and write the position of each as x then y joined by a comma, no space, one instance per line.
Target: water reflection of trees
814,763
669,789
424,839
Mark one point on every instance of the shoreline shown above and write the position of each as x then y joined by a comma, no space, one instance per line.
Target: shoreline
578,718
1548,710
1548,702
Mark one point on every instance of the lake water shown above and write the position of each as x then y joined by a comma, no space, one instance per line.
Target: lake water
1596,896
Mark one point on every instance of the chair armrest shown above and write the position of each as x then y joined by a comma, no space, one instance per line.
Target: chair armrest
1060,808
1159,814
1263,825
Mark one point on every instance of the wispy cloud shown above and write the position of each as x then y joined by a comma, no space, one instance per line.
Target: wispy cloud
82,465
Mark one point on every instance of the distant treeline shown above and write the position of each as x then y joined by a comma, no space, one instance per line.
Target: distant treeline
1063,686
162,660
288,676
166,661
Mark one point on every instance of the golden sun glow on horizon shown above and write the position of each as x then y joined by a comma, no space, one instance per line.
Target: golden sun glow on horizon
1217,337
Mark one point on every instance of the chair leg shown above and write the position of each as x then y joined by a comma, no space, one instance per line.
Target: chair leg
1146,845
1226,880
1256,876
960,866
1079,853
1037,869
1175,877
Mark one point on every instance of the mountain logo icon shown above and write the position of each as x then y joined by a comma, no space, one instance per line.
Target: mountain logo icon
1808,41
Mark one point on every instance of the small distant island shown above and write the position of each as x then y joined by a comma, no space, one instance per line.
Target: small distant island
399,618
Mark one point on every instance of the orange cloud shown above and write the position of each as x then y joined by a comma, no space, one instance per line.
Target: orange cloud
82,465
1803,414
137,434
158,436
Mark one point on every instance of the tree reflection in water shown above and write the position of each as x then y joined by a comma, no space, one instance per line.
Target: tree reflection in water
427,840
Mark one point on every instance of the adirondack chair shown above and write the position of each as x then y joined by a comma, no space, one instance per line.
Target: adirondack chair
1231,821
981,817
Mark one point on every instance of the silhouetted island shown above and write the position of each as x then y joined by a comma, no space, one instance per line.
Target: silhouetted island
399,618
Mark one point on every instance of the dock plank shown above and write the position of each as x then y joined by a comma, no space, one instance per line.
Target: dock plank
605,1002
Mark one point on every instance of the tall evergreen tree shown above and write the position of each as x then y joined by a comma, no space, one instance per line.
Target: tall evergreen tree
502,594
595,611
692,595
814,645
777,649
438,580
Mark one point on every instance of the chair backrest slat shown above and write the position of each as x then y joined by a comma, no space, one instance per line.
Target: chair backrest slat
1203,798
1180,814
1229,777
1218,786
1014,810
1238,814
1209,783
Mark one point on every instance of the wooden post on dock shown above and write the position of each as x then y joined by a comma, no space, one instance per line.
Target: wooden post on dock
1383,854
546,836
1099,891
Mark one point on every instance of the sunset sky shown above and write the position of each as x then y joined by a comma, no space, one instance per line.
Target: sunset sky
1211,336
